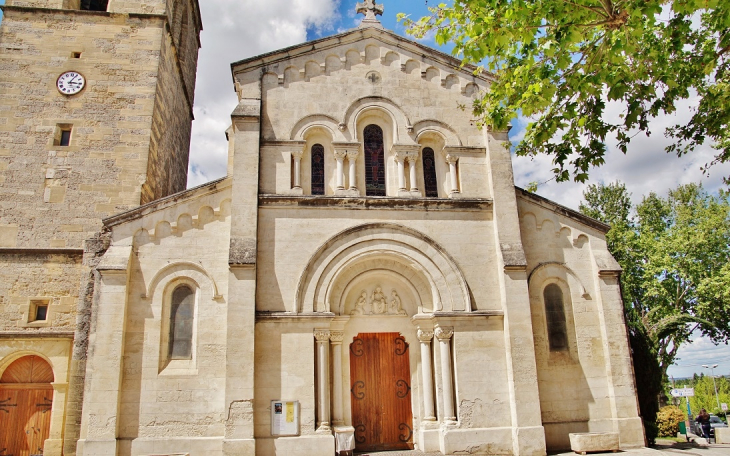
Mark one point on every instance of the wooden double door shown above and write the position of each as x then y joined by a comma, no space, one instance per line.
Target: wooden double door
26,399
25,419
380,378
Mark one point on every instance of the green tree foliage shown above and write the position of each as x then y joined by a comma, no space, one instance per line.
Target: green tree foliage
704,397
675,252
668,420
561,62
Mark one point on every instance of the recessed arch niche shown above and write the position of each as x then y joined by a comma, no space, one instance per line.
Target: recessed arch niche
438,282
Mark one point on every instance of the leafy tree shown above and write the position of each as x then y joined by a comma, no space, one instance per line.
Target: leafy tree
704,389
561,62
675,253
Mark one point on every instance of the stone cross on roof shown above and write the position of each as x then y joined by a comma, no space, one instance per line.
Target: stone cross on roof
370,9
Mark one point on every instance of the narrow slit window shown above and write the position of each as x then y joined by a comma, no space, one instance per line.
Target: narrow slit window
181,323
429,173
65,138
94,5
555,316
41,312
374,161
76,55
317,169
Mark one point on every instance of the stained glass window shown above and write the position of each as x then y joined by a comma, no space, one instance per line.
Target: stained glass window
429,173
374,161
317,169
181,323
555,315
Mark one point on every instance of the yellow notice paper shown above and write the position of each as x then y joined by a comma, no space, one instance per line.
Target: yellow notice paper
290,412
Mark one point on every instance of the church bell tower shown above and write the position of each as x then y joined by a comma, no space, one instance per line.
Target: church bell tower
96,110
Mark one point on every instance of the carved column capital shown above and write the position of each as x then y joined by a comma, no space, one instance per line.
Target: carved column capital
412,156
444,333
451,159
322,335
352,154
297,154
400,156
425,335
340,154
336,337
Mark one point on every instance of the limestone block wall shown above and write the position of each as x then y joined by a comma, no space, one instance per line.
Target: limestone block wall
174,405
415,100
291,236
560,250
101,171
28,279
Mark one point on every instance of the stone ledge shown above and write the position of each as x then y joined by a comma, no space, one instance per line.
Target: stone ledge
37,9
588,442
18,335
376,203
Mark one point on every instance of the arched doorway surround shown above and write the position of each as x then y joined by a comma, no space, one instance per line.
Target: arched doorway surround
380,278
439,283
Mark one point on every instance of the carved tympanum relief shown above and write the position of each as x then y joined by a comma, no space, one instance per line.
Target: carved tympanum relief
376,303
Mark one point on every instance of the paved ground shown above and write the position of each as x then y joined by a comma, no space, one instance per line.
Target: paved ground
663,448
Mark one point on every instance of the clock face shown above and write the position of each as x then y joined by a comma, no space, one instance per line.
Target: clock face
70,83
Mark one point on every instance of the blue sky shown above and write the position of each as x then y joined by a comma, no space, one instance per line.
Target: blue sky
238,29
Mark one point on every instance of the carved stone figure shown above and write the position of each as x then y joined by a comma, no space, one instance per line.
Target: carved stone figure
396,306
379,303
360,306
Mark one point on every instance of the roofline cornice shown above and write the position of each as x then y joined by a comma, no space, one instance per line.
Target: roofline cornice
351,36
165,202
565,211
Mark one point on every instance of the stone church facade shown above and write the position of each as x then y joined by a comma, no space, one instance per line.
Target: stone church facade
366,274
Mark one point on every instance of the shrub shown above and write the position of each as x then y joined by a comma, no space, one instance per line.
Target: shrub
668,419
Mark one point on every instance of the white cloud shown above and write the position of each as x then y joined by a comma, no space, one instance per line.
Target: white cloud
234,30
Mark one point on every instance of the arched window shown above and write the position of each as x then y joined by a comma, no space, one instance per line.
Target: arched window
555,316
317,169
429,173
181,323
374,161
94,5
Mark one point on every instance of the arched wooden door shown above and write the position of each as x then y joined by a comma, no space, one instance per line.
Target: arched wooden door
380,378
26,396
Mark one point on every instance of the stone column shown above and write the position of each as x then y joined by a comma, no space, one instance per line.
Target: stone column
352,162
425,336
322,337
400,158
297,157
338,417
412,160
444,336
340,157
451,160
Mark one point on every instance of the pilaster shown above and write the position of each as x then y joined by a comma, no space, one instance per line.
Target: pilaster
241,313
528,434
101,410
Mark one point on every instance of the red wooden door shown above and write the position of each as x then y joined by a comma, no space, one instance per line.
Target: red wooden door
380,378
26,396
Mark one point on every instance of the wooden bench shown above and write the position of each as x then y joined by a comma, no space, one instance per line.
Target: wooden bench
589,442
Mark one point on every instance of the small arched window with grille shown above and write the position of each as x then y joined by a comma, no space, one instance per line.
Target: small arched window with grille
317,169
374,161
555,316
429,173
181,323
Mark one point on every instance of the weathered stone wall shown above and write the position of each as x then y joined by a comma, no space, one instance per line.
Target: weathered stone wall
563,250
56,196
46,277
173,113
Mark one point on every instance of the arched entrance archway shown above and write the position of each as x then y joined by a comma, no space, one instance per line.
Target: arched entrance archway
26,398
